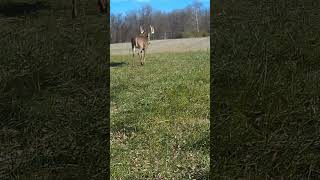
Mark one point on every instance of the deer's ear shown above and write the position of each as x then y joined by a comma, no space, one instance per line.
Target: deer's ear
141,30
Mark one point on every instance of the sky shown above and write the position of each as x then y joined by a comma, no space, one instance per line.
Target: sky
123,6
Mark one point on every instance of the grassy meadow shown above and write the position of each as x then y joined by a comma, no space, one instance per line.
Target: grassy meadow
53,91
160,116
265,90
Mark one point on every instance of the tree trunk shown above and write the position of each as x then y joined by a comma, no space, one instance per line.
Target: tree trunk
197,21
102,6
74,9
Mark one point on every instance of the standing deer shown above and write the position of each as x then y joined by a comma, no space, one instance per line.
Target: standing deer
141,42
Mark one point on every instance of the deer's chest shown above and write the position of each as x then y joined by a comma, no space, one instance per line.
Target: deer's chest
142,44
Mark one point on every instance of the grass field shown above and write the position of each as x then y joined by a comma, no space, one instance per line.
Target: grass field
160,117
53,91
265,101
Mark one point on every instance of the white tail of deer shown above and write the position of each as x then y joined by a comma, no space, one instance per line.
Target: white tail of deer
141,43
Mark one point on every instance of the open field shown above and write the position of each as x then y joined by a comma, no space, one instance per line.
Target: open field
160,117
53,91
167,45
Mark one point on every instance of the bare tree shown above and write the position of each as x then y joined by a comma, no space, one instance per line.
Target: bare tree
145,14
196,8
187,22
74,9
102,5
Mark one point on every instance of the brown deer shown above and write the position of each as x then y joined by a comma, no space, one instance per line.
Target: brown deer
141,43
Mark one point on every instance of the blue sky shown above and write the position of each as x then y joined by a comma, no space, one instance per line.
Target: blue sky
123,6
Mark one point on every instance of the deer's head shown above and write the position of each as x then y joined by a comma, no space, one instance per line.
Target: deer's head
151,32
147,34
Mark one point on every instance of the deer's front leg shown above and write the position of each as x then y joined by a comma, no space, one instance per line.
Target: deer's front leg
141,56
133,51
144,56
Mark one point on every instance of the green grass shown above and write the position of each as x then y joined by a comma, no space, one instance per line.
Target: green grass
53,94
265,102
160,117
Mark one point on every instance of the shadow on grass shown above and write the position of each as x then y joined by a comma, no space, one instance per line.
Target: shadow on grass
12,9
117,64
204,176
125,127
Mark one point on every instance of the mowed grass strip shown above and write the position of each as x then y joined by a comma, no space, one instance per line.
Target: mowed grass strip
160,117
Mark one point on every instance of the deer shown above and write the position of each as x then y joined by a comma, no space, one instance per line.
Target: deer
141,42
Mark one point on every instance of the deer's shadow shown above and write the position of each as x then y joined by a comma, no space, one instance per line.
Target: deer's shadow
117,64
12,9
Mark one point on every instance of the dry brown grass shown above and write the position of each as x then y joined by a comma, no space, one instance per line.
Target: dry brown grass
167,45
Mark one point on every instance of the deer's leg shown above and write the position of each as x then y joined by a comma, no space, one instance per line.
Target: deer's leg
140,55
133,51
144,55
142,58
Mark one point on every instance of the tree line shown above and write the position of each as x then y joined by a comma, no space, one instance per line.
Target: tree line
191,21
